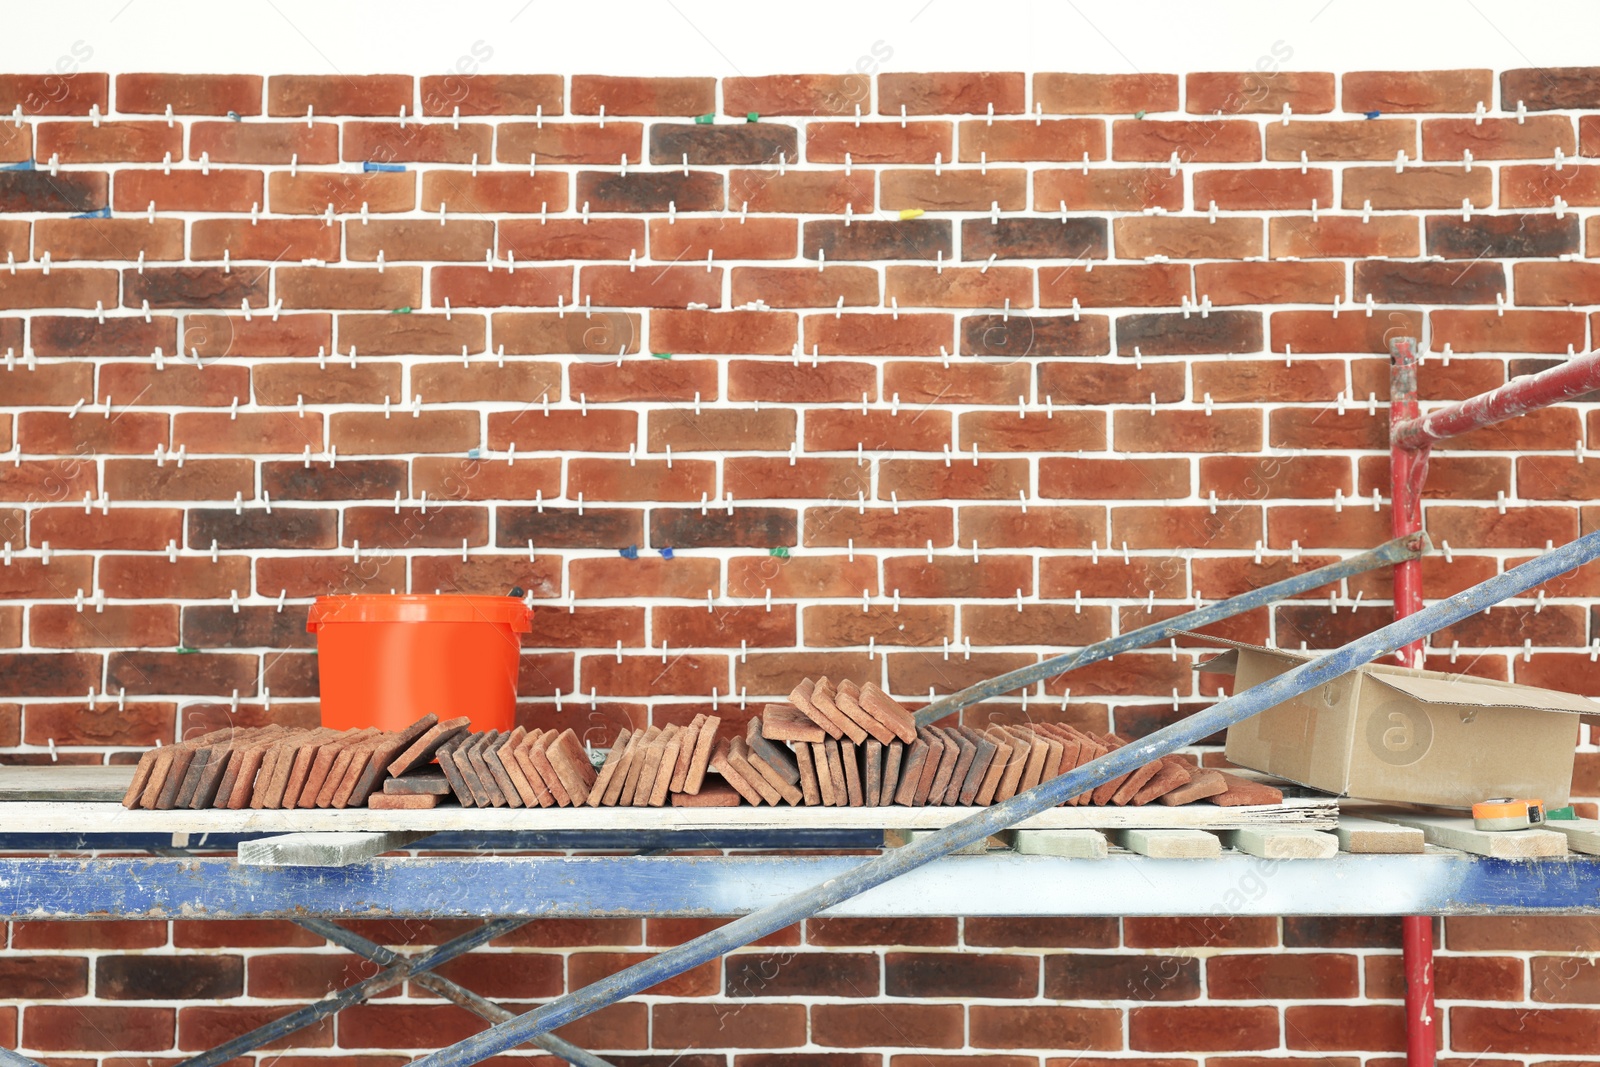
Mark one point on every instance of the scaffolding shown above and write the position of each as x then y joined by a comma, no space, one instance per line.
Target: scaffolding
772,891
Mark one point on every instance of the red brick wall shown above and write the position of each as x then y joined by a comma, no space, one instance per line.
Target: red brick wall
1067,391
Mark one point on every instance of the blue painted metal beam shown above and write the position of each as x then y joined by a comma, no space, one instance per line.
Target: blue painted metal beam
1386,554
533,887
975,828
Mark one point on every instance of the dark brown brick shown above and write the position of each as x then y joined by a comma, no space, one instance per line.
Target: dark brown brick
255,527
1208,931
144,672
1550,88
563,527
1173,335
194,287
1393,282
1042,932
1029,238
720,146
187,977
1501,236
1329,932
938,930
48,674
252,626
747,527
878,239
650,190
1102,977
84,335
36,190
961,974
801,974
348,479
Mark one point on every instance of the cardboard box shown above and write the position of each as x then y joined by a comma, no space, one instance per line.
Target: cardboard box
1393,733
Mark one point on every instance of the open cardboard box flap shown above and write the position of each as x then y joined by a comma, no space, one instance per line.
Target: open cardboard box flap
1433,687
1383,732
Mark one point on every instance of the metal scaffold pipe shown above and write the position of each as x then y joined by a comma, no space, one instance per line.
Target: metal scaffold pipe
876,871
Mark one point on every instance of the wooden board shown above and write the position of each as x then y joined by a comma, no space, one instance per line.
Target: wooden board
1583,835
1457,831
1074,844
893,838
1169,844
1359,835
1275,843
64,783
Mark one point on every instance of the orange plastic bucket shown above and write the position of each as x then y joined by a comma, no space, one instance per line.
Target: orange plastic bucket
388,660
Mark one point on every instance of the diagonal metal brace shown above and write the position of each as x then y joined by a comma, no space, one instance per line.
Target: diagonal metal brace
876,871
389,976
474,1003
1390,552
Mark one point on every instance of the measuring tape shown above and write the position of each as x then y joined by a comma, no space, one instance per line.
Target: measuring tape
1507,813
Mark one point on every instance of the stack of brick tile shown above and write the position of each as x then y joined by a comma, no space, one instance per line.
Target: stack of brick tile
843,745
550,768
275,767
853,745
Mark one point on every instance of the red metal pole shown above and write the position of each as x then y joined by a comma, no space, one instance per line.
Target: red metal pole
1573,378
1407,468
1416,938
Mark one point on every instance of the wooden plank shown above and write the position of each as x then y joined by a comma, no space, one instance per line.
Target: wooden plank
69,783
1074,844
1169,844
894,838
1370,836
1457,831
1583,835
329,849
1287,843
